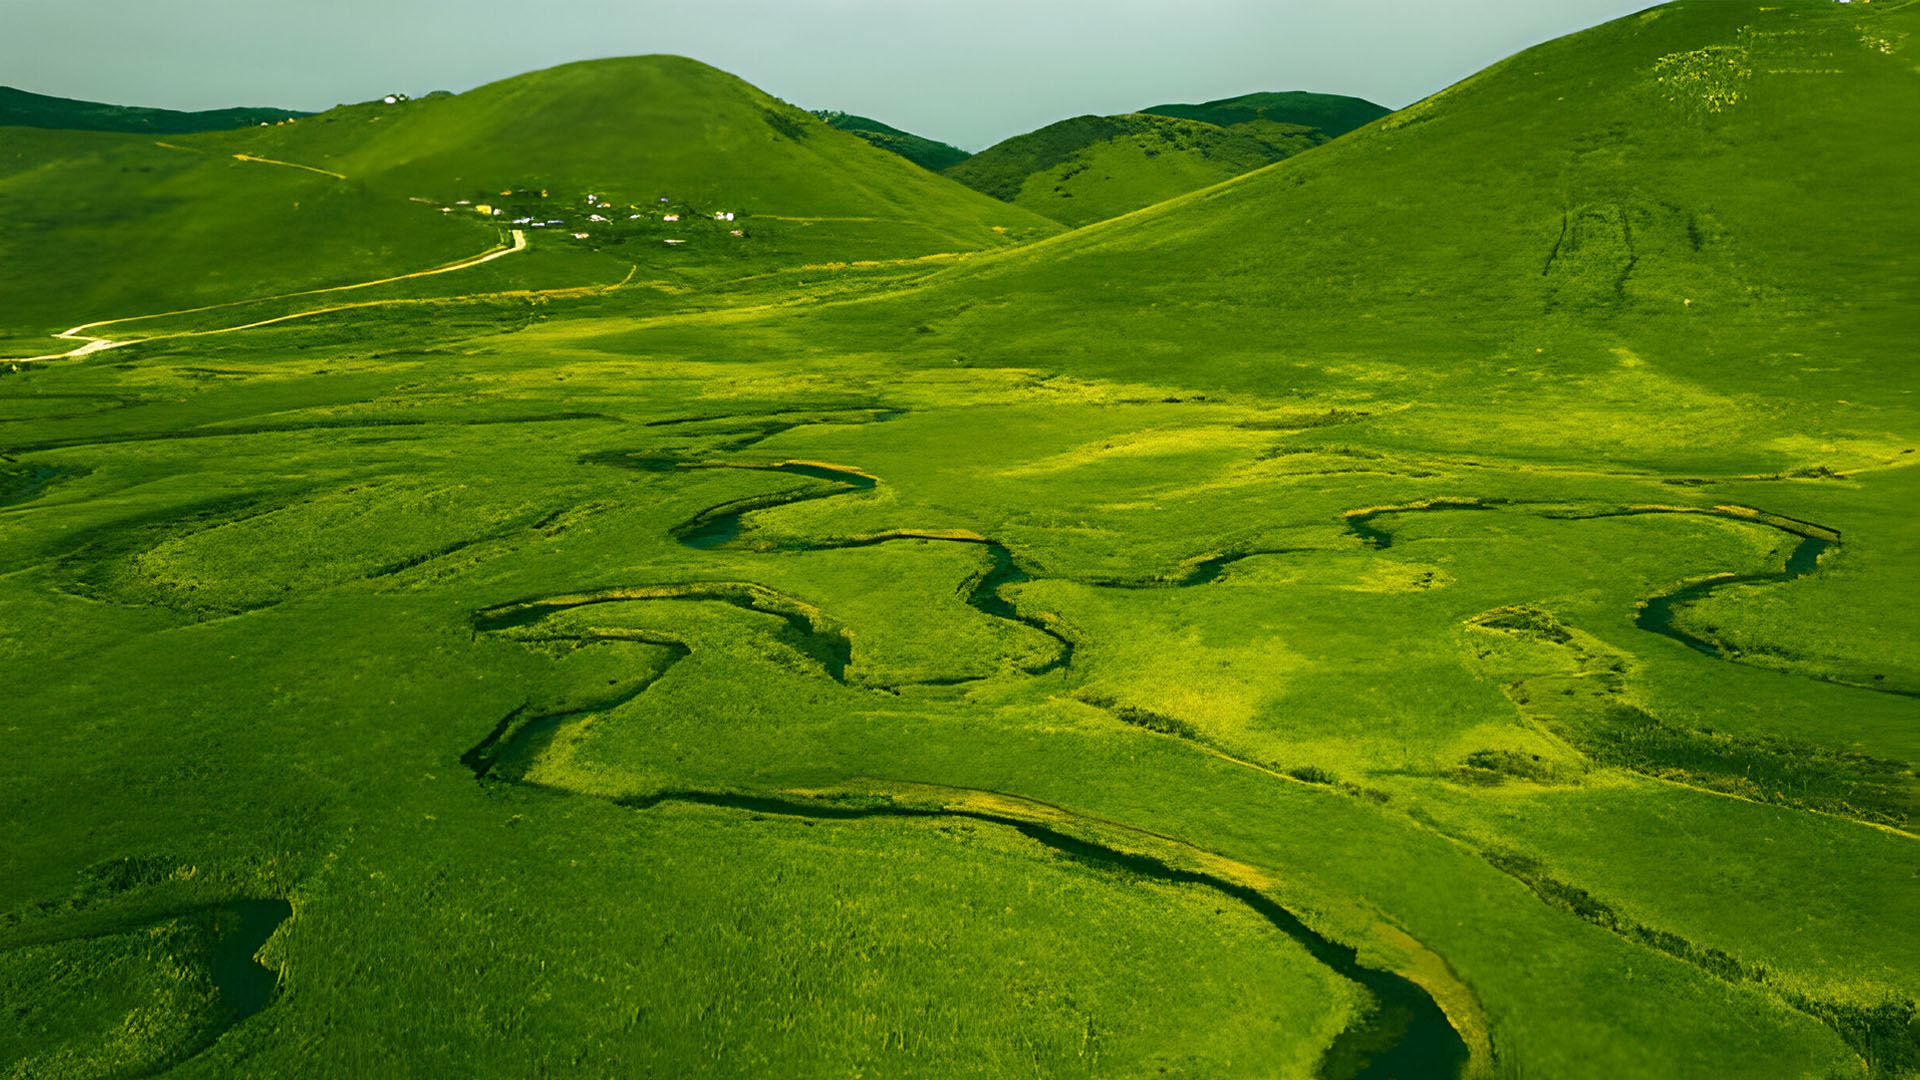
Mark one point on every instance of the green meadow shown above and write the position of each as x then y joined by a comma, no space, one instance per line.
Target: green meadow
1438,605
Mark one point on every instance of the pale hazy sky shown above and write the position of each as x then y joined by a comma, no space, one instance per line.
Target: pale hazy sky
970,72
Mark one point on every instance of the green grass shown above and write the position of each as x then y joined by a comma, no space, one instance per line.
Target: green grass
1225,590
1332,114
21,108
1092,168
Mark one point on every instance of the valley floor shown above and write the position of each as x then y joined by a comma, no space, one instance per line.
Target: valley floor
609,677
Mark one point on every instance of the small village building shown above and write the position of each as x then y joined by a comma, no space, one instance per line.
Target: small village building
670,217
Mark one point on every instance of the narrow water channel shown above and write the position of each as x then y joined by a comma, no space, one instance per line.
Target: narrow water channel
1404,1036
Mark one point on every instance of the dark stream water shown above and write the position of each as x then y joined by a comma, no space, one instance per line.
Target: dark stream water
1405,1036
240,929
722,525
1656,614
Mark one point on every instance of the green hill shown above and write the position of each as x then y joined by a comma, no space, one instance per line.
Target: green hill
1332,114
19,108
358,192
1092,168
924,152
1688,183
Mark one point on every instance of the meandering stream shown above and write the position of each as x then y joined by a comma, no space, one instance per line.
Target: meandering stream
1656,614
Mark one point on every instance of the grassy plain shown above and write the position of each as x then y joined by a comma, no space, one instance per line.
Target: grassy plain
1209,643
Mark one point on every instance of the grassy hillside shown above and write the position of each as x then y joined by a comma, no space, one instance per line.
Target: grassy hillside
1092,168
924,152
1681,184
1434,607
641,132
20,108
1332,114
117,225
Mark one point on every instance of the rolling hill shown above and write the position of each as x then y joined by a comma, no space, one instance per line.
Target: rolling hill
924,152
1332,114
20,108
640,131
1684,181
1091,168
356,192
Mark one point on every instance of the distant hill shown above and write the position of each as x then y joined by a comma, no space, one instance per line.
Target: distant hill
1091,168
19,108
924,152
1331,114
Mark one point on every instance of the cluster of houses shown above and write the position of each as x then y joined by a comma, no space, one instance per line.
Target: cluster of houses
595,204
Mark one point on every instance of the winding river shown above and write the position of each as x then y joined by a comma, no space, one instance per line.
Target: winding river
1656,614
1404,1034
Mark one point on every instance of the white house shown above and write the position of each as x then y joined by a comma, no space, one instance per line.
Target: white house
595,217
670,217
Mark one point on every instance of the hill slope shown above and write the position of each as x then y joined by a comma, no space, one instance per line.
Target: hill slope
20,108
1091,168
358,193
1689,182
1332,114
924,152
640,131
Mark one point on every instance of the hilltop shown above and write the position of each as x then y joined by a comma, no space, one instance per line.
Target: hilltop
642,130
20,108
1091,168
666,147
924,152
1331,114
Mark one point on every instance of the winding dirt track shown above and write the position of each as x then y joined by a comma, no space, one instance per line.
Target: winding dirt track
96,344
290,165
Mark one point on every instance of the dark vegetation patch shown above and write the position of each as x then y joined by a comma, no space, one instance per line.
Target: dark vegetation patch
1304,421
1135,716
1491,767
25,483
1787,772
926,153
791,127
1886,1034
1585,702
